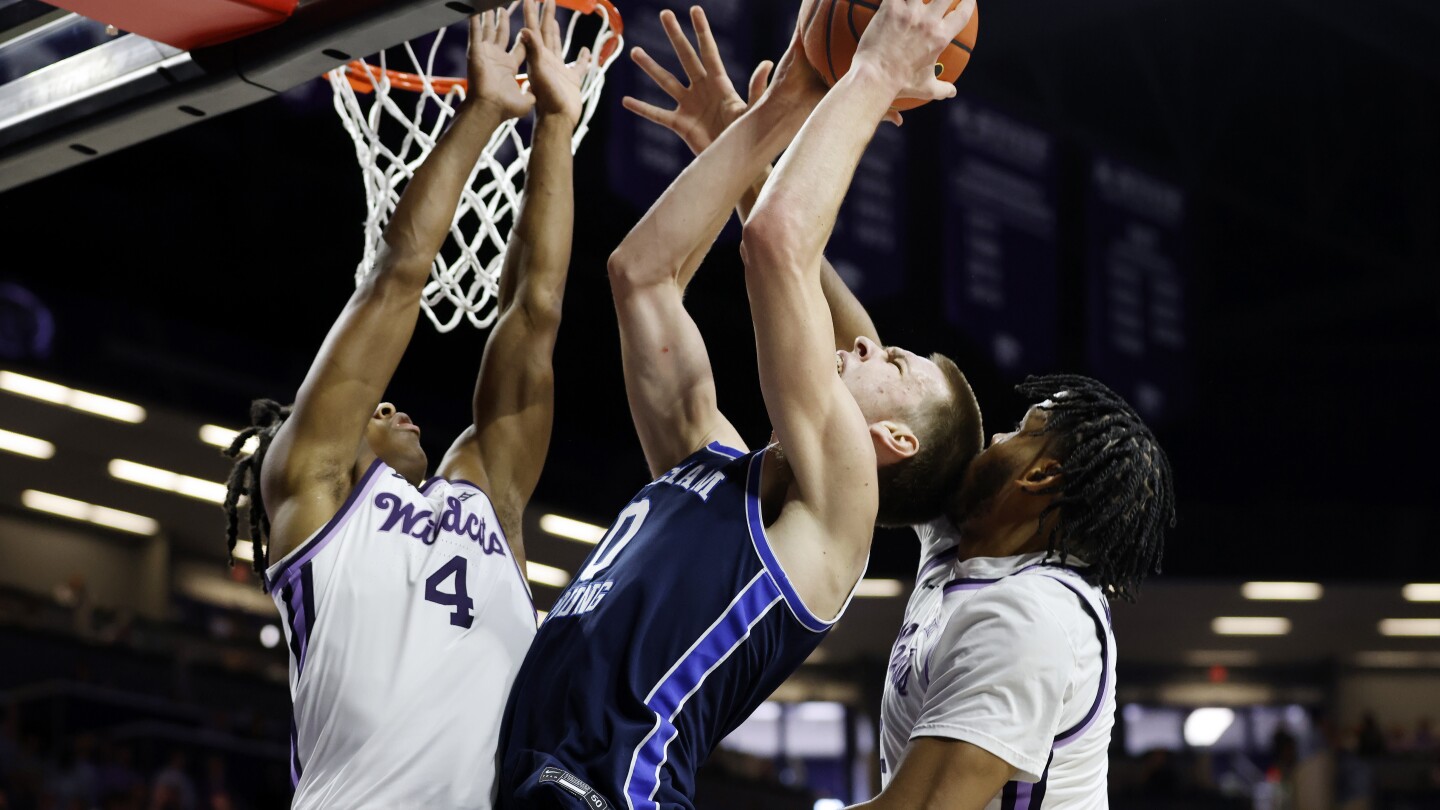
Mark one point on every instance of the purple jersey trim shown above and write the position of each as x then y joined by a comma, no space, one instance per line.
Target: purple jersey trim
938,560
1073,733
429,482
724,450
801,613
1026,795
305,552
975,583
295,769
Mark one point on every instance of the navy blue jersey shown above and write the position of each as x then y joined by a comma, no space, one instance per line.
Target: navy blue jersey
678,626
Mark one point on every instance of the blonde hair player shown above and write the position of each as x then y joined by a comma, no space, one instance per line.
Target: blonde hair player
406,611
1039,502
1001,692
722,575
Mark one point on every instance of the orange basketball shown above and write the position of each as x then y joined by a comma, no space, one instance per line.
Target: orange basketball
833,32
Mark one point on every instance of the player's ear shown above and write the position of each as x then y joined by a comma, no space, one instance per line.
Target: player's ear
1040,475
894,441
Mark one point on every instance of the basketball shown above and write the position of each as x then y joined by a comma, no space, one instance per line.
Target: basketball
833,33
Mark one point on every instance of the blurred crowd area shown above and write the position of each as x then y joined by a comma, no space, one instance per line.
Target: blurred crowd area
1326,767
101,710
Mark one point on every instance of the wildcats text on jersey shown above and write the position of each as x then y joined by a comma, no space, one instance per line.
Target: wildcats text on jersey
405,514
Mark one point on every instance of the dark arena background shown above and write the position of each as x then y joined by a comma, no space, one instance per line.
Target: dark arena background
1228,211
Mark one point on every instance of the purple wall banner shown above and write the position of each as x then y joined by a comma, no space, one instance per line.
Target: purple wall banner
1001,250
1136,302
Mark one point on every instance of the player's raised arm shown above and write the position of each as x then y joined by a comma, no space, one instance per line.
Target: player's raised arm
818,422
703,109
309,468
504,449
667,371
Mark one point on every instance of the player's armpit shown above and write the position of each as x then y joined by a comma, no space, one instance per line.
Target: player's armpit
311,459
941,774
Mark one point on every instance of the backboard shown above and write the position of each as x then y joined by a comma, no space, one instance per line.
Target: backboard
74,89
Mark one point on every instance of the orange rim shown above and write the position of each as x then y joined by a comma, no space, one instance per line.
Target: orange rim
360,73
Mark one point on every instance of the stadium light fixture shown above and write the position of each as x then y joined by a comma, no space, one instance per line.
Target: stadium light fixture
1421,592
154,477
1250,626
88,512
546,574
222,437
1205,727
22,445
879,587
75,399
1282,591
1410,627
571,529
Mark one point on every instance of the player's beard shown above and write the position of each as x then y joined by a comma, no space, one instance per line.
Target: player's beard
979,491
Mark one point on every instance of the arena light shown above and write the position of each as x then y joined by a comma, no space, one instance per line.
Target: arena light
269,636
829,804
148,476
1250,626
1410,627
820,711
244,551
879,587
222,437
88,512
1397,659
1221,658
1421,592
546,574
1282,591
571,529
57,394
22,445
768,711
1205,727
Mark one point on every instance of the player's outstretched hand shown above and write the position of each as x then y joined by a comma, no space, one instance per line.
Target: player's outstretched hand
796,83
904,39
709,104
491,67
556,85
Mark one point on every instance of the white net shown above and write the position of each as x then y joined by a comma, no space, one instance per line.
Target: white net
395,130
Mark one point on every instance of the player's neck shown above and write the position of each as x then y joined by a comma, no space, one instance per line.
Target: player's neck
997,536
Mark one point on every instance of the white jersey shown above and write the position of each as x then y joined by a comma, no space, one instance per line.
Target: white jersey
1011,654
407,619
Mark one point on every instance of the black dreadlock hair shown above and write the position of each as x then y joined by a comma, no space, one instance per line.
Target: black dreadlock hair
266,417
1115,498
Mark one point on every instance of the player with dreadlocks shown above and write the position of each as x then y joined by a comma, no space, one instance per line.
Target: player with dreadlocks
1001,692
406,613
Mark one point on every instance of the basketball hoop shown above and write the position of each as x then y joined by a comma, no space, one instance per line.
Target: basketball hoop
465,276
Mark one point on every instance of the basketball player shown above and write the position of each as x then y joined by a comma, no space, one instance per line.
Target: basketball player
1001,692
1001,535
722,575
406,610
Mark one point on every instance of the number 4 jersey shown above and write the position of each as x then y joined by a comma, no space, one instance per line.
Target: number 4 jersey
678,626
407,619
